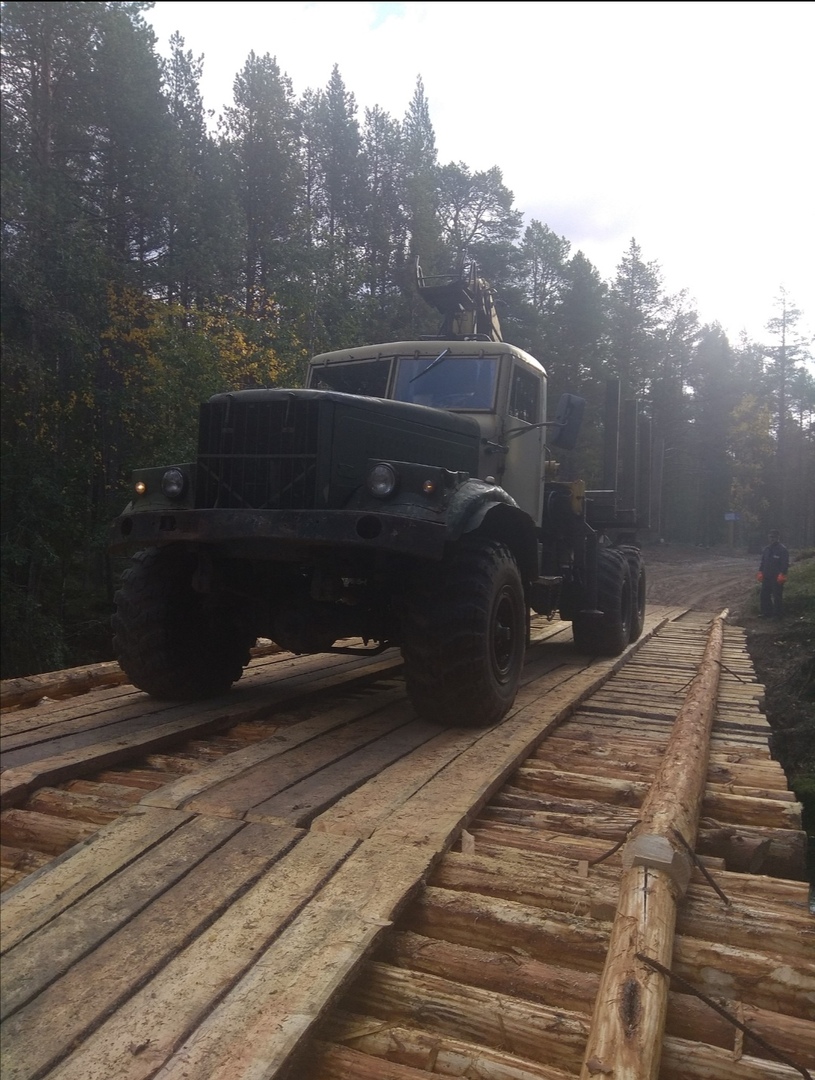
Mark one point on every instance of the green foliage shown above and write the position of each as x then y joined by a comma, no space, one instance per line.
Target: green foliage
799,595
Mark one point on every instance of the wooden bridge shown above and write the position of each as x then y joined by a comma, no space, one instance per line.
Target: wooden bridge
301,879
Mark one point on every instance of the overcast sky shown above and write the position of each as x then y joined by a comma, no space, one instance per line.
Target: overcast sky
686,125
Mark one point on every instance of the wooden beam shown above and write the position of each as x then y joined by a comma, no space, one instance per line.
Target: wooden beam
628,1024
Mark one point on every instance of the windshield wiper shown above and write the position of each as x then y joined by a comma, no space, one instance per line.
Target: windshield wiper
431,365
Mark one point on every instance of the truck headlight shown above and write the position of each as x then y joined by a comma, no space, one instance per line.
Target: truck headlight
173,483
382,480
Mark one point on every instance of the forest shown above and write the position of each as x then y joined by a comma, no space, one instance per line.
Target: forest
153,255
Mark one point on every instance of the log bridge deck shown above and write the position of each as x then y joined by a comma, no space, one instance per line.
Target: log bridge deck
301,879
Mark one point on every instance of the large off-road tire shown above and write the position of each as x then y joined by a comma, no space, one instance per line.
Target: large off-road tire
165,638
608,634
636,571
464,635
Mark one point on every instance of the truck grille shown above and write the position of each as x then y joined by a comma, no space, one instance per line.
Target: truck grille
258,455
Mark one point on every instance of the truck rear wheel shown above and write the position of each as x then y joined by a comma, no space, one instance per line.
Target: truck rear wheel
609,633
464,635
165,640
636,570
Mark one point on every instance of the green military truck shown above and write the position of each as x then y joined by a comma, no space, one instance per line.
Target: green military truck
407,496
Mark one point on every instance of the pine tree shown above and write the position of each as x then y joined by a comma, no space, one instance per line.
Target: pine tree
478,219
636,309
202,226
384,225
420,170
784,357
260,136
83,213
714,395
541,274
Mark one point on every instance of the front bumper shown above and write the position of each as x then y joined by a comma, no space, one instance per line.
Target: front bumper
279,533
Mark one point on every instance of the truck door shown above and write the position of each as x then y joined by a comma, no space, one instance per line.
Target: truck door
523,468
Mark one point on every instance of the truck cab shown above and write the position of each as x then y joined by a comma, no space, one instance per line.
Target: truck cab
501,387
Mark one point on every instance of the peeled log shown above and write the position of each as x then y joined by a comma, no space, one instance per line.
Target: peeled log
13,858
41,832
444,1056
99,809
562,889
535,980
59,684
628,1024
71,681
540,1033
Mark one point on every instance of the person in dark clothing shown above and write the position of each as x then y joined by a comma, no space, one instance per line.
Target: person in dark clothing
772,573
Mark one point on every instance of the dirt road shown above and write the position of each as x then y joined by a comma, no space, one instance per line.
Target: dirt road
701,578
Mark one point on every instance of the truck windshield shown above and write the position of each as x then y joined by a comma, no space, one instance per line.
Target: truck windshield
455,382
369,378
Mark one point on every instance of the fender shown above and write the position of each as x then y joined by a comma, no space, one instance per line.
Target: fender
487,508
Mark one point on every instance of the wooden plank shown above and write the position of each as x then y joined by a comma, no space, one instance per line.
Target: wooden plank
59,885
78,680
89,702
70,734
87,723
302,801
33,718
49,952
17,782
363,811
186,1018
180,791
543,632
43,1032
234,797
437,812
768,792
780,851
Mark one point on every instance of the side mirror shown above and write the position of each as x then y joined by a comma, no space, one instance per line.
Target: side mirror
567,422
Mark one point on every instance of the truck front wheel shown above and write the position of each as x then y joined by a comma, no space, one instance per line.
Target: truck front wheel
464,635
608,633
166,639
